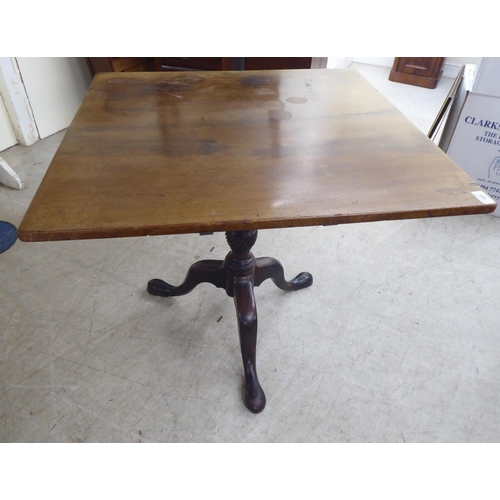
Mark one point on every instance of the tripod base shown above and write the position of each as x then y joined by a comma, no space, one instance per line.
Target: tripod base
238,274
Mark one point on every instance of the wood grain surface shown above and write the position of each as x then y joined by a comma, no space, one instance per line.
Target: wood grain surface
165,153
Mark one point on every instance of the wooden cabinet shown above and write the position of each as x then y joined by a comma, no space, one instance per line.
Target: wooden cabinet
198,63
120,64
231,63
419,71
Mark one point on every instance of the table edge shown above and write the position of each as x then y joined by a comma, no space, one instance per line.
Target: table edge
244,225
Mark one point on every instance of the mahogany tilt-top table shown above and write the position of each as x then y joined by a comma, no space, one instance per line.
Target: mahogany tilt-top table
170,153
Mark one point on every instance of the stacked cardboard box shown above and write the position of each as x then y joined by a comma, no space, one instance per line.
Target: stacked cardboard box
471,136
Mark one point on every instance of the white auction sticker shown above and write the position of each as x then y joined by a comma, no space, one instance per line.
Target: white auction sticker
483,197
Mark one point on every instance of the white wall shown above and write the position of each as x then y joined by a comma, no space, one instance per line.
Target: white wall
55,88
337,62
7,137
375,61
460,61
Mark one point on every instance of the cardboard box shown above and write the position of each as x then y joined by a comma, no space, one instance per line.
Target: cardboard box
487,77
475,144
472,133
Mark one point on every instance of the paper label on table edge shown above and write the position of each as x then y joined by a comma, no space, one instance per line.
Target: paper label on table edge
483,197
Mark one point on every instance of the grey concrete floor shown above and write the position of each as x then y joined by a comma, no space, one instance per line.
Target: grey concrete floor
397,340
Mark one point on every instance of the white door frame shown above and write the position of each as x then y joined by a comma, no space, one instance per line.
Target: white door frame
17,103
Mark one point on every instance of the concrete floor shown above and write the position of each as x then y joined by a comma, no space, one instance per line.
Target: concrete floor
397,340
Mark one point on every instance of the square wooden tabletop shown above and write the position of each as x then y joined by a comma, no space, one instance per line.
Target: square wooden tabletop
165,153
